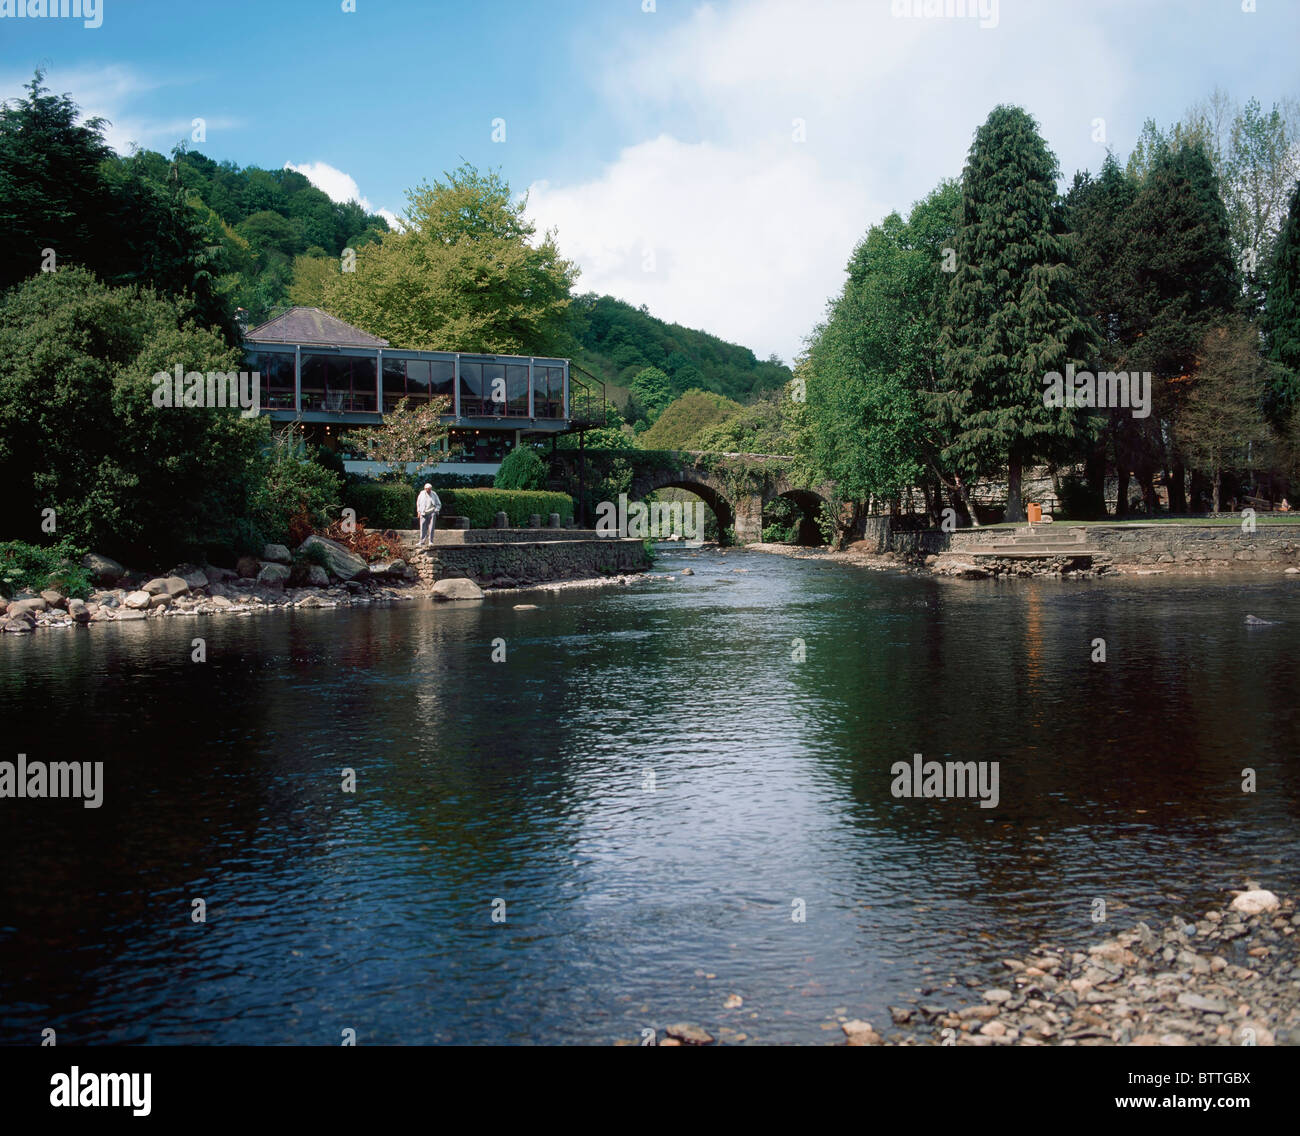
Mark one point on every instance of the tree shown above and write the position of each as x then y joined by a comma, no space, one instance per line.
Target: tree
523,468
870,366
1280,322
311,277
1013,312
463,275
66,199
1222,426
652,390
81,435
409,433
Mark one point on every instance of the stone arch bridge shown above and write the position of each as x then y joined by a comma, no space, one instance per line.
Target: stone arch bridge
735,487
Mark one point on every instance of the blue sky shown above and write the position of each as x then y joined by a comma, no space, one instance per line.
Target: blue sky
716,162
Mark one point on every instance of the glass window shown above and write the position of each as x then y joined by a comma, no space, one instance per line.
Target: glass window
517,390
442,376
313,381
275,374
471,388
363,384
417,380
394,382
494,388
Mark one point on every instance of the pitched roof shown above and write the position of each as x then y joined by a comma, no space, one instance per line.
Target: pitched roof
311,325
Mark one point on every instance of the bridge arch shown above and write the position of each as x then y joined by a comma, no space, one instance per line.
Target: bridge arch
703,486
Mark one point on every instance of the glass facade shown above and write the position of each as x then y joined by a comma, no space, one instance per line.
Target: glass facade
480,445
344,381
339,383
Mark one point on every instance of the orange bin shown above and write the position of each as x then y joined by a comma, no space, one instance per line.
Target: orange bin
1035,514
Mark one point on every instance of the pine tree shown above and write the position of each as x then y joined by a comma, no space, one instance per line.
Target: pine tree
1013,311
1281,320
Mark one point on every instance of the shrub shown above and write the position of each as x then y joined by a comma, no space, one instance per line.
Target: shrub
523,468
296,493
34,567
382,504
482,505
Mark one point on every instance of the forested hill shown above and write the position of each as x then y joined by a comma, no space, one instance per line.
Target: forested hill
618,340
261,221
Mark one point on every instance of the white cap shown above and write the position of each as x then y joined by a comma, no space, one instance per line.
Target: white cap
427,485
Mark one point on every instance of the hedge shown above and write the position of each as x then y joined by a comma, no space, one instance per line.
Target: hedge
391,504
382,504
482,505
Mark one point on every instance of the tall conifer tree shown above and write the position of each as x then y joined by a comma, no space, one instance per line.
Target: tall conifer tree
1013,312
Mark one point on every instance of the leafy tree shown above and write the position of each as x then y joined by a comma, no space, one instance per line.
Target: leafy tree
311,277
63,189
683,421
463,275
297,490
523,468
1222,426
80,434
870,367
409,433
652,391
1014,313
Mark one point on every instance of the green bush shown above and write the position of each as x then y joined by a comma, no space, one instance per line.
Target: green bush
33,567
482,505
383,504
296,488
523,468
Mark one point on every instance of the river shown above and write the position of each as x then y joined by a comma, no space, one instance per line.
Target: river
657,780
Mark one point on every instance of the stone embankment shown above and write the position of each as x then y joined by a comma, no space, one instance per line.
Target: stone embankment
325,574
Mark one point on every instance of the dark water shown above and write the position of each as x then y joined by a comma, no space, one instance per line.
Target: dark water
526,780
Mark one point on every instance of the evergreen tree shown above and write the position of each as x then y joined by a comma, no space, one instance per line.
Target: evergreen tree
1281,319
1014,314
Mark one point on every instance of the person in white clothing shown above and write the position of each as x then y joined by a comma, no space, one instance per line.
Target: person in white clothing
427,506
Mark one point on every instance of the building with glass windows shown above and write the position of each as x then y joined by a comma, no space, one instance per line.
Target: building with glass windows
330,377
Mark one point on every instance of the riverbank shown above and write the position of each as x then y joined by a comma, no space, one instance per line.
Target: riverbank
1228,977
963,565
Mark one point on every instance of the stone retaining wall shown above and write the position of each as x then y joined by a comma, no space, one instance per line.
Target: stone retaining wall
509,564
1201,545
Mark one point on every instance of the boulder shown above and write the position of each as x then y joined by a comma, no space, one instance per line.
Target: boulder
689,1034
339,561
54,598
317,577
858,1032
20,624
129,614
194,578
26,607
277,554
247,568
160,599
79,611
395,570
102,569
1255,902
457,590
273,575
138,600
166,586
218,575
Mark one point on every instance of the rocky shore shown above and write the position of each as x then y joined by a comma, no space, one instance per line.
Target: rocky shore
1230,976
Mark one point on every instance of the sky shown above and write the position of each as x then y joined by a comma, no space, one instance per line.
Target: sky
716,162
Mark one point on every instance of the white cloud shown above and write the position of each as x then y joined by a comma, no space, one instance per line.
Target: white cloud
751,229
340,187
108,92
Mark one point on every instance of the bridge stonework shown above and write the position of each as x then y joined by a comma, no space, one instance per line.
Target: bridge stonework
736,487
